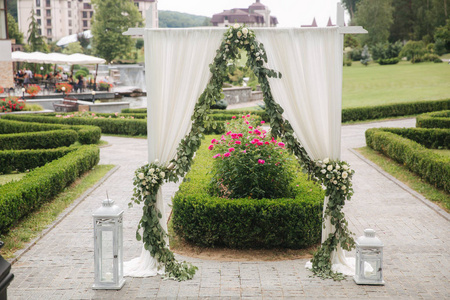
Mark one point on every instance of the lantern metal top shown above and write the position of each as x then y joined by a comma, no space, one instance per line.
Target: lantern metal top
108,210
369,239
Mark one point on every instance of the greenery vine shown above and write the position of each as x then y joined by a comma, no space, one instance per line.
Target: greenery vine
150,177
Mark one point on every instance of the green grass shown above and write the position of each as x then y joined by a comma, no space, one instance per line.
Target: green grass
409,178
404,82
31,226
10,177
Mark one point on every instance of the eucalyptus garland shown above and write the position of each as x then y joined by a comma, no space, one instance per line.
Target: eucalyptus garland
150,177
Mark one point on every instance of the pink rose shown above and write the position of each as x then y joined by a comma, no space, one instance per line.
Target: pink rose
261,161
231,149
213,141
250,127
262,122
240,134
260,143
267,143
226,154
233,117
229,132
238,142
281,144
211,147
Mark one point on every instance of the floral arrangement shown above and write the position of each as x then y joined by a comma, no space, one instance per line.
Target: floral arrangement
33,89
235,38
11,104
147,181
104,86
59,87
249,164
89,115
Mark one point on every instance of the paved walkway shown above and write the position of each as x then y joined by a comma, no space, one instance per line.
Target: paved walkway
416,238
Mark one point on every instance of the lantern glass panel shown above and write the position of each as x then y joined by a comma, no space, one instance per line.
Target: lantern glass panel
106,256
372,264
120,248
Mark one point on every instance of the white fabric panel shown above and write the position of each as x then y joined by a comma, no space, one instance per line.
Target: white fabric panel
177,72
310,92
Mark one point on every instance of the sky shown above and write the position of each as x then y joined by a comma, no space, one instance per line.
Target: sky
290,13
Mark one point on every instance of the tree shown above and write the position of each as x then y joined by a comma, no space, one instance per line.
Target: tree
13,30
12,8
350,6
442,38
73,48
83,40
376,17
35,40
413,50
111,18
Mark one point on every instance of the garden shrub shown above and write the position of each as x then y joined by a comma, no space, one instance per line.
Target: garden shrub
220,104
432,138
19,198
38,140
25,123
248,163
22,160
134,110
393,110
246,223
440,119
433,167
388,61
110,126
10,104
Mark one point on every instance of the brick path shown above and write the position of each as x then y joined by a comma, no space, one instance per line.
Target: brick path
416,238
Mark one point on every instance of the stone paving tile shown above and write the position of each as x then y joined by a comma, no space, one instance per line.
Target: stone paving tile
416,238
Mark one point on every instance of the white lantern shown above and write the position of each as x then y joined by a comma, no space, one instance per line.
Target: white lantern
108,246
369,259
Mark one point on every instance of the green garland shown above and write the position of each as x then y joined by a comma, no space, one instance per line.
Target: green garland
150,177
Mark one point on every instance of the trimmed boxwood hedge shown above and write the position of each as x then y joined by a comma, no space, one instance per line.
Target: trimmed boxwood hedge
434,138
38,140
433,167
134,110
86,134
440,119
245,223
22,160
393,110
112,126
19,198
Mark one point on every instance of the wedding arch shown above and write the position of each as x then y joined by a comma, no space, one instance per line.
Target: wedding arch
306,81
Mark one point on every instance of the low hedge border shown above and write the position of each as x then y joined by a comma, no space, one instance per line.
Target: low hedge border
38,140
110,126
393,110
245,223
23,160
134,110
19,123
19,198
432,138
440,119
434,168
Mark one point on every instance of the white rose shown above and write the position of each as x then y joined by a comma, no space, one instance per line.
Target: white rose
246,42
141,175
154,181
244,30
326,160
257,54
338,167
252,47
156,161
241,43
324,166
239,34
258,58
343,187
151,170
330,167
344,174
335,182
323,171
144,183
230,36
146,193
345,167
236,26
236,41
162,174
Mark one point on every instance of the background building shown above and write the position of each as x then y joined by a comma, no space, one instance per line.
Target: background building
256,15
6,69
60,18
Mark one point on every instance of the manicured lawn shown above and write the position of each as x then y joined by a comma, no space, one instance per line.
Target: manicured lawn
404,82
10,177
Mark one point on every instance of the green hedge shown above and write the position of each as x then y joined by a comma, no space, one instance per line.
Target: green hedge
110,126
22,160
37,140
19,123
134,110
433,167
430,138
19,198
245,223
440,119
393,110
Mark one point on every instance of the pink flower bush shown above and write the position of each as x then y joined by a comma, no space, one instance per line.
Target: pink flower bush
251,164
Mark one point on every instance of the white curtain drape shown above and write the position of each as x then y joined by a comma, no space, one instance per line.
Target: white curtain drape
177,71
310,92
